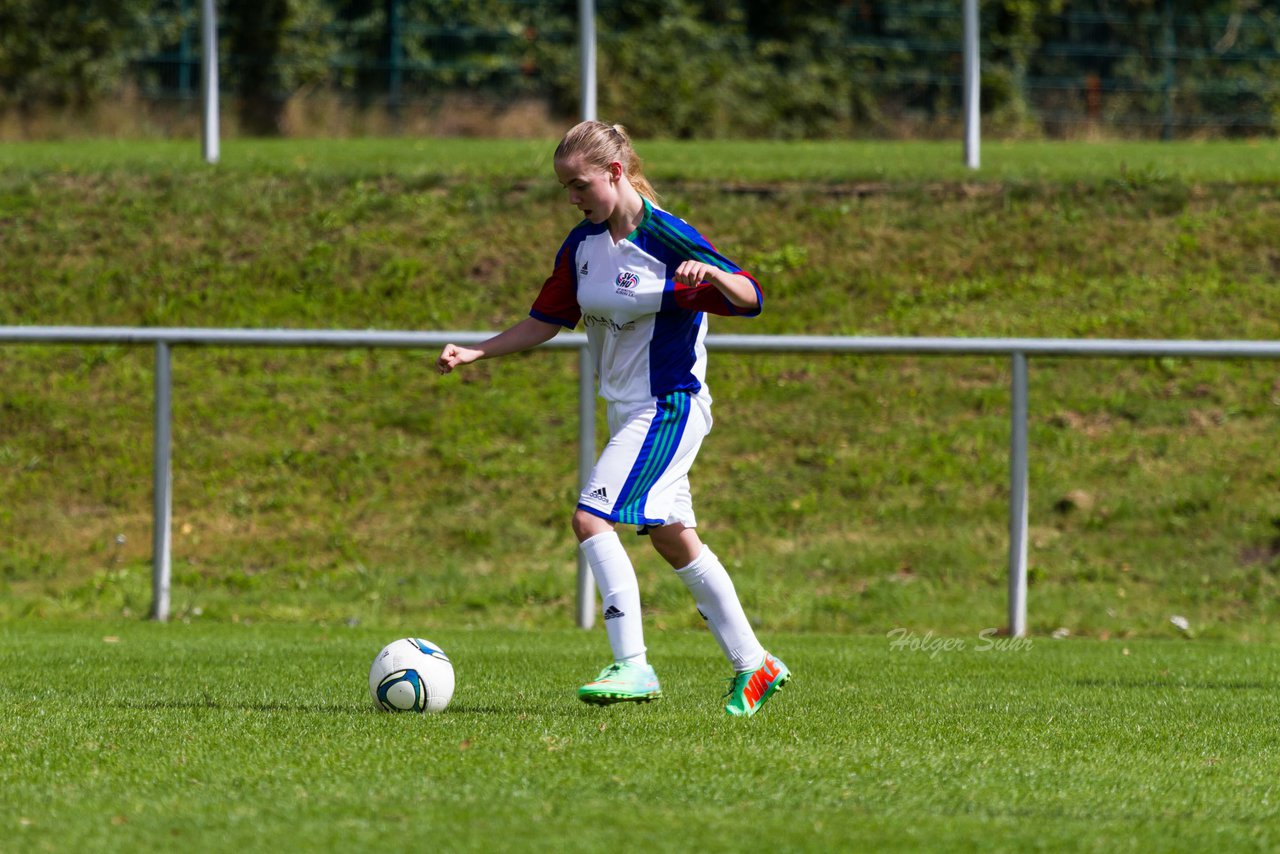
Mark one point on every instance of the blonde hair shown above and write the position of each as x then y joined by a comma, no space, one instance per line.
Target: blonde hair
600,144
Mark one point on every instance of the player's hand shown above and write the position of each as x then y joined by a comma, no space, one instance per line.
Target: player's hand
693,273
738,289
452,355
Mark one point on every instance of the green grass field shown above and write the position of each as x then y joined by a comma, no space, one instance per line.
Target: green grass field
327,502
134,737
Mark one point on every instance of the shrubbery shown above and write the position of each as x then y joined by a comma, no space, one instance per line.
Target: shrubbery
680,68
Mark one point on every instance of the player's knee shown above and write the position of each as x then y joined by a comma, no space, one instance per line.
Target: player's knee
676,544
587,525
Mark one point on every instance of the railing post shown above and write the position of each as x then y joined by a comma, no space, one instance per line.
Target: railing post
586,461
162,488
972,85
1018,500
587,57
210,126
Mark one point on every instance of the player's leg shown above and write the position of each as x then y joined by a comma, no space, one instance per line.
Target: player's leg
629,677
651,445
615,578
713,592
757,673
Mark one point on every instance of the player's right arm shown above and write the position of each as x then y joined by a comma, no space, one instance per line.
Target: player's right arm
526,334
555,308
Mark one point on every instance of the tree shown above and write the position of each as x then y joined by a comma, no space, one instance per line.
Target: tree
69,55
276,47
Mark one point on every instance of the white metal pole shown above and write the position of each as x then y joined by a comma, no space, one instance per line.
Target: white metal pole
586,461
972,79
587,72
209,80
1018,500
586,368
162,488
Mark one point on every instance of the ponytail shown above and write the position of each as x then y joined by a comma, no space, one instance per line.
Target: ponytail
601,144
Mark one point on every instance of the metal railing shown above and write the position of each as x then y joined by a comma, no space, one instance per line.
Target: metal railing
1019,350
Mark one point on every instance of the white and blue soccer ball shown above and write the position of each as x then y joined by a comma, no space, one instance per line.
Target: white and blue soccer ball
411,675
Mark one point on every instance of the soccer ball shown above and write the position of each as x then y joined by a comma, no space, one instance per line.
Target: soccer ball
411,675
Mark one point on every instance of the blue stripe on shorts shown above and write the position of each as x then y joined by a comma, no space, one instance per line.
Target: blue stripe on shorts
655,455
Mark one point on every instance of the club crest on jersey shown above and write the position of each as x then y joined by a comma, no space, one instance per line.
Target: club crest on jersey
626,283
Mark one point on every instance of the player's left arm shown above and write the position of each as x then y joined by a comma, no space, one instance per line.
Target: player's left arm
737,289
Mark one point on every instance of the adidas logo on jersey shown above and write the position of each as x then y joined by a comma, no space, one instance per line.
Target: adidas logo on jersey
613,613
582,271
599,495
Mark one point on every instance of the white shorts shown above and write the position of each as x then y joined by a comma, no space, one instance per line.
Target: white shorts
642,476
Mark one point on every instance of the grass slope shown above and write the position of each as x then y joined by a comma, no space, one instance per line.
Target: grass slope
846,494
137,737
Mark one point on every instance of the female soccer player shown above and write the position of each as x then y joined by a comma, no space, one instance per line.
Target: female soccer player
641,281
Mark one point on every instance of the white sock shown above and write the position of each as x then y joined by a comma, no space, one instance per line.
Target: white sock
619,595
712,589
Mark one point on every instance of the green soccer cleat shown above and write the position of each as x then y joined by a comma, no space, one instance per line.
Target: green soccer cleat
749,690
622,682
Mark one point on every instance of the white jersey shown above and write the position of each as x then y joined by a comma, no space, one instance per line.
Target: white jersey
645,331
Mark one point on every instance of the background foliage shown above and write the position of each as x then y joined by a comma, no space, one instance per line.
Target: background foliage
682,68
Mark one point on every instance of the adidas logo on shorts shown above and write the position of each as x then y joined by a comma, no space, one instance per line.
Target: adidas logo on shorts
599,495
582,271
